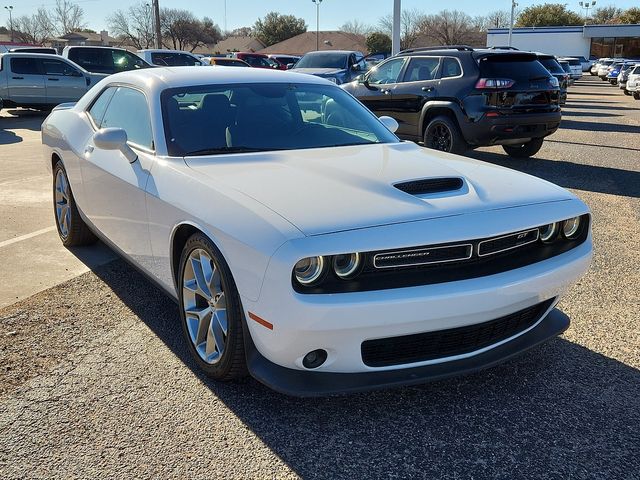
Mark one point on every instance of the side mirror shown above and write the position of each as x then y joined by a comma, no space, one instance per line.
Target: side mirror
390,123
360,78
290,66
114,139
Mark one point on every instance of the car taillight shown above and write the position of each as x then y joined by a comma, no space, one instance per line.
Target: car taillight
495,83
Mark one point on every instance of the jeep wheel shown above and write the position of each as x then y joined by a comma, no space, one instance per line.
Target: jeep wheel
443,134
525,150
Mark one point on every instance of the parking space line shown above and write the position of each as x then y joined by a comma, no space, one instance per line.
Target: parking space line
27,236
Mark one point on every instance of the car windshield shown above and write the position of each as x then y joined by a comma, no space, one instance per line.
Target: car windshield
236,118
323,60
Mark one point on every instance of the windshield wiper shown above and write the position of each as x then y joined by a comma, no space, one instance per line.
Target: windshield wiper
235,149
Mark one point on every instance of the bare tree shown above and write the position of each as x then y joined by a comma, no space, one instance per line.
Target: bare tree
135,26
35,29
356,27
68,17
450,27
410,21
497,19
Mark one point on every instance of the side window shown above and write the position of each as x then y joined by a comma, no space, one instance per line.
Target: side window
25,66
96,112
421,69
450,67
123,60
128,110
57,67
388,72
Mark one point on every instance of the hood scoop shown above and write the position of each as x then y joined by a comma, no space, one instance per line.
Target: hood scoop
430,185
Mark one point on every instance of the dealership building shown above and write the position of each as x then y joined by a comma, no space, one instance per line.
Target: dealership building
586,41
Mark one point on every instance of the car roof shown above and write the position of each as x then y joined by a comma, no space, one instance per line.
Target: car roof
149,79
164,50
346,52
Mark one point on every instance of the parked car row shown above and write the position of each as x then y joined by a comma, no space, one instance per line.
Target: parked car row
624,73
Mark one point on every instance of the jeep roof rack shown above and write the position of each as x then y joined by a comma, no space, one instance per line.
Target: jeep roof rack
461,48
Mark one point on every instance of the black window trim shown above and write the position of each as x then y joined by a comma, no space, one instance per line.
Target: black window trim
129,142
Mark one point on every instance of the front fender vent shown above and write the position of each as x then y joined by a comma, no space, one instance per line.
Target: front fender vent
430,185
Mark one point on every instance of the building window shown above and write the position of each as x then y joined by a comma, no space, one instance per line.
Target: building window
624,47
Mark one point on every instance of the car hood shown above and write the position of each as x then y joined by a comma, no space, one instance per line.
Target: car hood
320,71
344,188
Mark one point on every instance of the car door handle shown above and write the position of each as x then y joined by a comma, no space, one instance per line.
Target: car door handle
18,78
53,79
427,89
89,149
386,92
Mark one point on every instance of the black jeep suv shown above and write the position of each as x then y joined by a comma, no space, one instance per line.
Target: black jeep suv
454,98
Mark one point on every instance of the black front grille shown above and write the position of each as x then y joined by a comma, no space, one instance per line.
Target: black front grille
430,185
507,242
384,352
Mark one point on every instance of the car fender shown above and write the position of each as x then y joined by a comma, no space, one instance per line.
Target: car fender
431,105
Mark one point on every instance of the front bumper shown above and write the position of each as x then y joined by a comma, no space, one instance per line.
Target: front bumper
311,383
501,129
339,323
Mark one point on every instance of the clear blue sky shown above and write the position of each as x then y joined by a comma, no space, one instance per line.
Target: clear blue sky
333,13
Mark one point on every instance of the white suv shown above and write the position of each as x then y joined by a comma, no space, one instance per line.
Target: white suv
633,82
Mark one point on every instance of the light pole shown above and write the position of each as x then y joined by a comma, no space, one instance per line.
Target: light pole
156,17
395,29
10,8
513,10
587,6
317,2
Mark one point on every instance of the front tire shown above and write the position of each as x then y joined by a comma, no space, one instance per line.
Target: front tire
73,231
210,310
636,95
525,150
627,92
443,134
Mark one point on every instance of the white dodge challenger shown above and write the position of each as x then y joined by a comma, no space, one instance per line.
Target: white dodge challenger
304,243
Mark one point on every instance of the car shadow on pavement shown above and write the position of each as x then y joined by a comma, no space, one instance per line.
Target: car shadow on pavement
559,410
23,118
592,178
578,113
599,126
8,137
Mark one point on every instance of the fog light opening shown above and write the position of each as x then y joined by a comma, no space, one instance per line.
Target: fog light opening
314,358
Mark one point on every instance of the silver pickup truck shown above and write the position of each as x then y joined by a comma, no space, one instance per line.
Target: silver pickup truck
42,81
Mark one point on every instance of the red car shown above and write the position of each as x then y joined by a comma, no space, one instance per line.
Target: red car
260,60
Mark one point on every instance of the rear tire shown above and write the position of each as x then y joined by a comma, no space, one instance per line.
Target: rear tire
72,229
442,133
211,311
525,150
636,95
627,92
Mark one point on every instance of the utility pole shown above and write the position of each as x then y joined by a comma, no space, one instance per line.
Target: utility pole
395,29
513,10
10,8
156,16
317,2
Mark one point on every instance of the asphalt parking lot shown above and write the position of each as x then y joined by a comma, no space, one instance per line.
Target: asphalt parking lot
96,381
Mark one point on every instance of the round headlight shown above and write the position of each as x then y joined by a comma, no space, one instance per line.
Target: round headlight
548,232
308,270
346,265
571,227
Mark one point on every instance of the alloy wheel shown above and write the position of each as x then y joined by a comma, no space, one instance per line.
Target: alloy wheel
204,306
63,209
440,137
